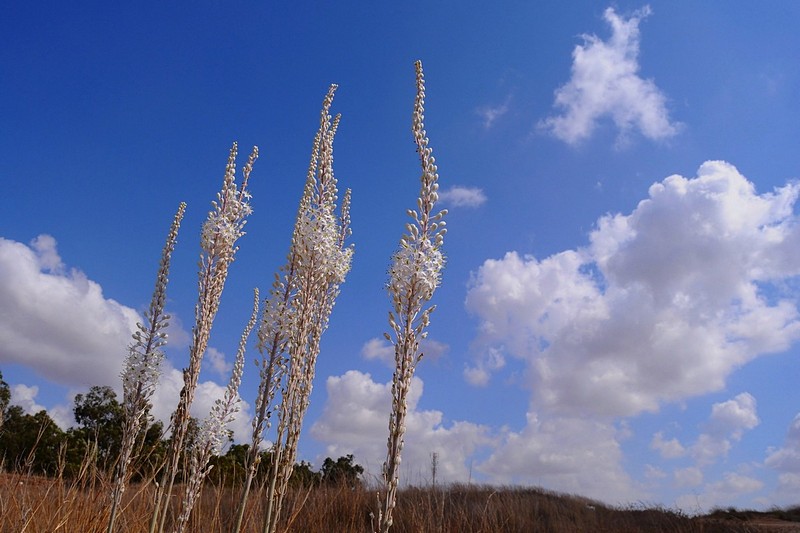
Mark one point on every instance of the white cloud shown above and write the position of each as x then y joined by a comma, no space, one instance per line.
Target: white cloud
662,305
606,83
568,454
379,349
56,322
734,416
355,420
165,400
726,424
668,449
490,114
688,477
733,485
480,374
786,461
25,397
216,360
459,196
653,472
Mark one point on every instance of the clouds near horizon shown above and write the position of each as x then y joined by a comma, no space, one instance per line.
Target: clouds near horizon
58,322
355,419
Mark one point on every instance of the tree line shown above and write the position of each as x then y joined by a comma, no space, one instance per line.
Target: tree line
35,444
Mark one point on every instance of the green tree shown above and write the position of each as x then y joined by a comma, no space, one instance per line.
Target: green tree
100,417
342,472
229,468
5,398
30,442
303,476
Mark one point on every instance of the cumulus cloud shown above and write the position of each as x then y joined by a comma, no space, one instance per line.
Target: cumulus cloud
606,83
786,462
377,349
166,396
662,305
216,360
733,485
734,416
568,454
668,449
458,196
726,424
25,397
355,420
58,322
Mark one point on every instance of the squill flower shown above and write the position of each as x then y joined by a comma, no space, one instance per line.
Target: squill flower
143,367
220,232
215,427
414,275
297,313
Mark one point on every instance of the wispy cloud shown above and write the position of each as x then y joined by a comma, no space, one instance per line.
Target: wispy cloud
458,196
489,114
606,83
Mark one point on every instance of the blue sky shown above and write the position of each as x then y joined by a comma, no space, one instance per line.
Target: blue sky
619,313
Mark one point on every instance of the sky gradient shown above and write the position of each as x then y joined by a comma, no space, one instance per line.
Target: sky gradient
618,316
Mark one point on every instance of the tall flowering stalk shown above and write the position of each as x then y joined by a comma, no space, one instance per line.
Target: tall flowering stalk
413,277
214,428
221,230
143,367
298,310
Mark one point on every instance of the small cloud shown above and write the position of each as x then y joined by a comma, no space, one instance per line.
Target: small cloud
668,449
734,416
377,349
605,83
218,362
458,196
490,114
25,397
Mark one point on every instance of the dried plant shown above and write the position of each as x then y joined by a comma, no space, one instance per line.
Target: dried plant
413,277
221,230
297,314
215,427
143,367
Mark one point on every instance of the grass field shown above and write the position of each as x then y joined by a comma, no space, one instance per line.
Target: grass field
34,504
